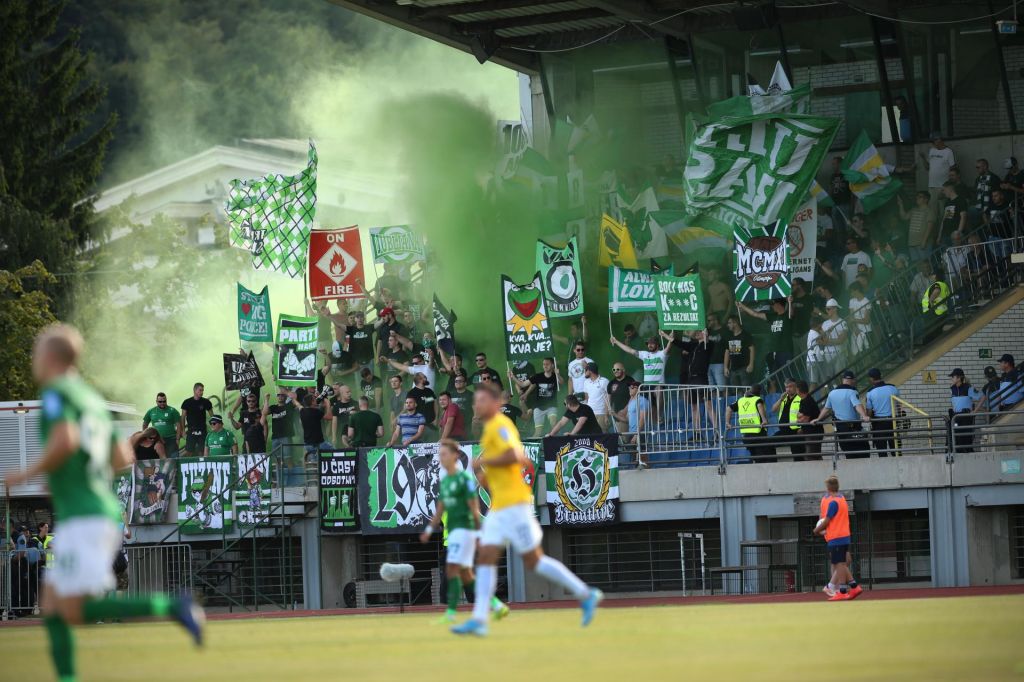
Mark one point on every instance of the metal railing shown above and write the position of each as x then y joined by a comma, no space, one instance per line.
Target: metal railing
682,425
159,568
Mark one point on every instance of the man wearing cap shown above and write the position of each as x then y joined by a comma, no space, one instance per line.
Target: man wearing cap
1011,387
219,441
595,388
940,159
1013,181
961,411
834,333
989,392
879,405
752,421
843,403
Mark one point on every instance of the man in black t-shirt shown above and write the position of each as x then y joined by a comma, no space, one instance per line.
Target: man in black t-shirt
522,371
364,426
342,407
738,354
618,396
371,388
809,411
482,370
954,215
541,390
250,416
312,416
425,405
508,409
195,412
583,420
360,341
778,336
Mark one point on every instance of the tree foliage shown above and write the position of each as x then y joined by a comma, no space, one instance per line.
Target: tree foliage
24,311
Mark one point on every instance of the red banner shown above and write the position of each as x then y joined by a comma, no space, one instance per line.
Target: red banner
335,263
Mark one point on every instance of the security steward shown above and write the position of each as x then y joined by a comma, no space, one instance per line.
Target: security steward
879,405
752,419
788,409
961,411
844,404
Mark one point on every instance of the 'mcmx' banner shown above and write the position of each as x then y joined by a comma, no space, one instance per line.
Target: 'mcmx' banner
582,479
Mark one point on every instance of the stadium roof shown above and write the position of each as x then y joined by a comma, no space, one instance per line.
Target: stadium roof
516,32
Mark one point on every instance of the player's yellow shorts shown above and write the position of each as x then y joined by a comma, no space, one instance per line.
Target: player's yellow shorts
516,525
84,557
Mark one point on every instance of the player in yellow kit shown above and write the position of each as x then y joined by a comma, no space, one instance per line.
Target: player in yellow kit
510,520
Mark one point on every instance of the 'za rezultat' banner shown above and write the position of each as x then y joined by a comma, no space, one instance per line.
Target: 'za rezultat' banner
762,263
582,479
339,485
204,503
680,302
252,489
254,315
527,328
297,339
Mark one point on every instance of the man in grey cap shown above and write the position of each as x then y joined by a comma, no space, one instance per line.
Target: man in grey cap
879,407
843,402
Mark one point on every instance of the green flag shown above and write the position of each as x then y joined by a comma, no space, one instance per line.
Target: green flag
527,329
795,101
762,263
395,244
559,269
680,302
749,171
254,315
271,218
631,291
868,175
296,341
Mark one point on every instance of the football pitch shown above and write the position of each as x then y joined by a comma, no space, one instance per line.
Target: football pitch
962,638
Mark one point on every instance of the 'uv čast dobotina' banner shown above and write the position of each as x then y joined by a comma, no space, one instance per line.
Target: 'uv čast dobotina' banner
582,479
338,489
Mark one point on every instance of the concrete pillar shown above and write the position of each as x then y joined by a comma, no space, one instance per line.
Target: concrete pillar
307,529
339,565
988,538
947,531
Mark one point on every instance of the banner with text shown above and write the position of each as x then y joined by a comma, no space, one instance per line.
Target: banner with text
254,315
444,327
680,302
527,329
335,264
631,291
338,487
241,371
153,483
395,244
582,479
295,361
762,263
559,269
206,488
252,489
802,238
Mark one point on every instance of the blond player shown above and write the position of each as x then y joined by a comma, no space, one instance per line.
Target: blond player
510,520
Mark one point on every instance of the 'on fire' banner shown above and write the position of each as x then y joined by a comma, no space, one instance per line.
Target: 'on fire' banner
335,264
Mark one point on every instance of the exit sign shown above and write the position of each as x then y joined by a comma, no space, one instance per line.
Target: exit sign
984,353
1007,27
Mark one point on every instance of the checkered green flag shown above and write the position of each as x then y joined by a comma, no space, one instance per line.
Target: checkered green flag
271,218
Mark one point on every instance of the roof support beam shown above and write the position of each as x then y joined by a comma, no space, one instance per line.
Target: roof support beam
532,20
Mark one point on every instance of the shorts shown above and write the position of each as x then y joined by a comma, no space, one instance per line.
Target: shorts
195,442
84,557
515,525
837,553
540,414
461,547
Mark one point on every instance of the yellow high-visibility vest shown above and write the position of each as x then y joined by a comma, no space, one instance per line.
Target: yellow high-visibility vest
794,409
941,308
747,415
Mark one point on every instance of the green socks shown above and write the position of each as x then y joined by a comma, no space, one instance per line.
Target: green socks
454,592
496,603
108,608
62,647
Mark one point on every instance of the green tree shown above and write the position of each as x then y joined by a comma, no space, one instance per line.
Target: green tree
51,147
24,311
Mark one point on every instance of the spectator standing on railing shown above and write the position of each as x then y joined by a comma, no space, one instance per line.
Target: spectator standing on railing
1011,386
879,399
738,354
812,433
409,427
167,422
961,411
580,415
365,427
843,402
920,222
194,413
752,421
618,396
834,333
788,409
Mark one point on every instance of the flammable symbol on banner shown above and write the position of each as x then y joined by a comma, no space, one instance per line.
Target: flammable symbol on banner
336,263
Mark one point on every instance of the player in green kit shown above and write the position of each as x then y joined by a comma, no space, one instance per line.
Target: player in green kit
459,504
80,454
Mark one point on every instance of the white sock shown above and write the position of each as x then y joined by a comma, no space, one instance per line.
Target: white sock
555,571
486,582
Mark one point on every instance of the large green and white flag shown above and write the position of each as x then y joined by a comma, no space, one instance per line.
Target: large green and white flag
680,302
271,218
780,96
559,268
762,263
631,291
869,178
690,240
206,491
254,315
647,236
743,172
395,244
820,196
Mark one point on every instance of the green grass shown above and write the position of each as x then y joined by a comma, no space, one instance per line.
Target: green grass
919,639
